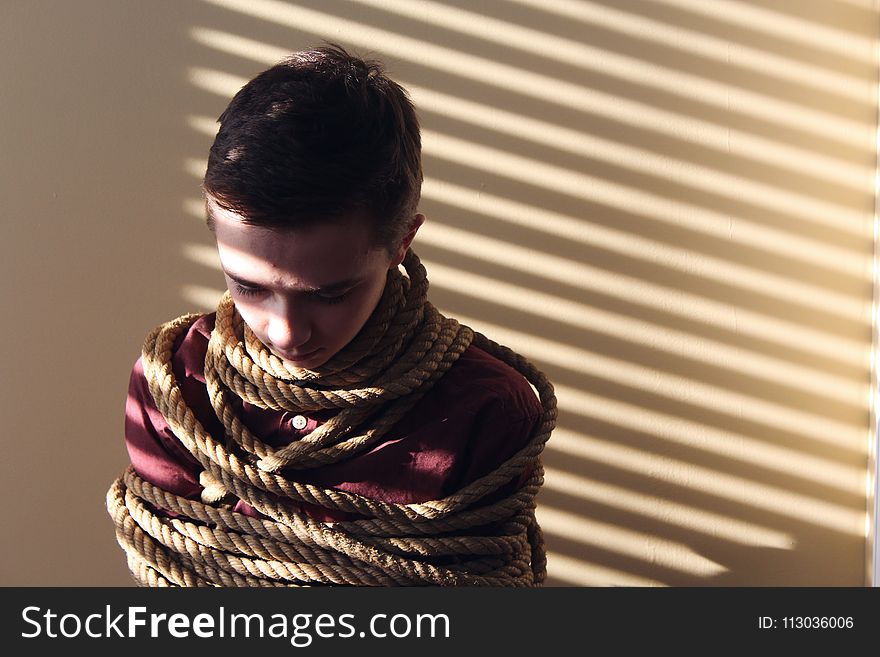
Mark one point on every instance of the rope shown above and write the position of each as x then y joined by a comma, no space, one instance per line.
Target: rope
401,352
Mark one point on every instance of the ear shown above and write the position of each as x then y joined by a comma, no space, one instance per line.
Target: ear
400,253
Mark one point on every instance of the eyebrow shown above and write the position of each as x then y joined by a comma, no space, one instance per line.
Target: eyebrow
332,287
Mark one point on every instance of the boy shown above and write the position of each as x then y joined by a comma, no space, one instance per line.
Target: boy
327,425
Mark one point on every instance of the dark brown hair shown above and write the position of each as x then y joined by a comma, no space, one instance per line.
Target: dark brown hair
319,136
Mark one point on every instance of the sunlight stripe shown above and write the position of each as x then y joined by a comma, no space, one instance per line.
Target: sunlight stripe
583,573
666,299
646,74
683,390
585,231
643,29
760,496
665,342
755,18
194,207
685,261
633,544
196,167
665,511
638,115
851,220
596,147
206,298
202,254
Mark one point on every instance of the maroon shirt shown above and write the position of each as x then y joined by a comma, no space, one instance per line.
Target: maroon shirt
476,416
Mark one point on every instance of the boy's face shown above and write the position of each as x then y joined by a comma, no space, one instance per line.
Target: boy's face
304,293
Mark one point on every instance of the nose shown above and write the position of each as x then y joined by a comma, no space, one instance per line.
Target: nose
289,328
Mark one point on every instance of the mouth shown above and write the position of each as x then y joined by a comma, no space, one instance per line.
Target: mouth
299,358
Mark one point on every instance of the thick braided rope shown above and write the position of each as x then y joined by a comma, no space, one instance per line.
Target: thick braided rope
404,348
429,356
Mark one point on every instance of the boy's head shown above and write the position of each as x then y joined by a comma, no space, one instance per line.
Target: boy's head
311,191
322,135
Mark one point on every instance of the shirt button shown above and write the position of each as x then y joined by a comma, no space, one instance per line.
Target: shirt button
299,422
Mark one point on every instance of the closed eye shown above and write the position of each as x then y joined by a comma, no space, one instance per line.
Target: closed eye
247,291
338,298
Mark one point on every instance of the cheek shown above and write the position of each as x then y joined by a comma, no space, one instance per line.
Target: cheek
253,317
338,321
344,320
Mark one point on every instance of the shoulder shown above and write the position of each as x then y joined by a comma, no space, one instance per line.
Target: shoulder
190,346
155,451
478,394
479,414
190,349
478,379
188,365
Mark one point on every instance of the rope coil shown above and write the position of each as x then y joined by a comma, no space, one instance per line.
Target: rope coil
401,352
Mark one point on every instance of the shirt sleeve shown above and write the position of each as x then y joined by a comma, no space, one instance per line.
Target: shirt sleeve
155,452
502,427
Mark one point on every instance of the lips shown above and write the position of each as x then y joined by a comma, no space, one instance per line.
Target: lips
296,358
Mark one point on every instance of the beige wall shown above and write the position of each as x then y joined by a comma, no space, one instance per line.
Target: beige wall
667,205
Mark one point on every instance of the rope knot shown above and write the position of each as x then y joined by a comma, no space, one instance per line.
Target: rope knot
213,491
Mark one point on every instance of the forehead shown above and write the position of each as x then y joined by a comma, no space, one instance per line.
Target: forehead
304,257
